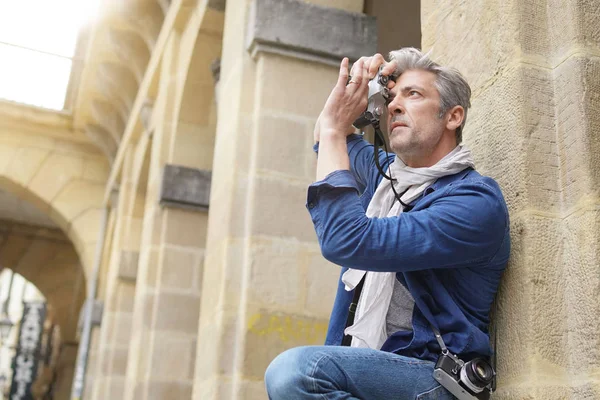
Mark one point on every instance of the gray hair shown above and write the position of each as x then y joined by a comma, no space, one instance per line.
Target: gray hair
452,86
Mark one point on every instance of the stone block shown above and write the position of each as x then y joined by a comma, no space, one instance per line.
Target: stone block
6,155
118,361
355,6
304,95
579,248
196,109
172,358
178,268
574,25
151,268
493,32
236,201
115,388
158,390
177,312
185,228
185,187
86,225
222,281
532,17
296,28
56,171
279,210
218,5
122,328
133,233
269,333
125,297
321,284
251,389
577,107
128,265
194,146
282,145
208,349
549,387
276,274
25,163
97,311
522,119
76,197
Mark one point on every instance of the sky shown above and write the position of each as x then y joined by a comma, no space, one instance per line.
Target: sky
51,27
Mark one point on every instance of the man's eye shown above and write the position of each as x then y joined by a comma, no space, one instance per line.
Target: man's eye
413,93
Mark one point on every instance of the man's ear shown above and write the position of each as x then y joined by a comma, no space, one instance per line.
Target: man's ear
455,117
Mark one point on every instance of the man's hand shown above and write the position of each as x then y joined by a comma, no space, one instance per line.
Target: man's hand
347,101
363,70
371,66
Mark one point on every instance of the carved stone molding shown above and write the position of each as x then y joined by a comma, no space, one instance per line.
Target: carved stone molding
128,265
184,187
298,29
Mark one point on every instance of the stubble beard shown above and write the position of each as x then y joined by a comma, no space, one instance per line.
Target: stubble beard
405,143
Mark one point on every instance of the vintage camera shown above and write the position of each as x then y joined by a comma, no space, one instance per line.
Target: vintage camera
378,96
472,380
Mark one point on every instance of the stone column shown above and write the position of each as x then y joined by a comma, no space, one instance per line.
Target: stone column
167,299
534,67
266,286
109,380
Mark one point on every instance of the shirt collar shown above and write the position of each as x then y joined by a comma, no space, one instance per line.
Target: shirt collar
445,180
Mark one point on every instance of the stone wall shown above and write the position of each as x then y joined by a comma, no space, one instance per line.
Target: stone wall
534,71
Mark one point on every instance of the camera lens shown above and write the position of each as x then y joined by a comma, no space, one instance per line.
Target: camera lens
479,372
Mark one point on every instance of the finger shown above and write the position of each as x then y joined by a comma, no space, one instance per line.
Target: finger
391,84
364,83
343,77
367,64
358,77
378,60
361,83
353,70
389,68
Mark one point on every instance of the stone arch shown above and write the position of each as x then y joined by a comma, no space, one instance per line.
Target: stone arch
195,105
45,257
62,178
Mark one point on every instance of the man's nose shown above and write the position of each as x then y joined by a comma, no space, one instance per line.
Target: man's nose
395,107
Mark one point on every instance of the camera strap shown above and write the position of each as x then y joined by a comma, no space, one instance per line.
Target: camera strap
445,351
438,337
347,340
378,142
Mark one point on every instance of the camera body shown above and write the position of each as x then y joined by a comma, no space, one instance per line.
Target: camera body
378,97
472,380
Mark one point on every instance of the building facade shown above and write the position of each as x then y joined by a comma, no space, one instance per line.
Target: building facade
177,183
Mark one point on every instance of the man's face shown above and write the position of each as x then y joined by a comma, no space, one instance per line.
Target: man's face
415,128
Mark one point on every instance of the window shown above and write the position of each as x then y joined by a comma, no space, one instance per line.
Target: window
37,44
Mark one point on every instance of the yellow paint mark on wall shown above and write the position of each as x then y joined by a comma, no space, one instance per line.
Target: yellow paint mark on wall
288,328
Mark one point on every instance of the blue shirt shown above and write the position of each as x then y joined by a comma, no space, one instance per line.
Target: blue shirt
449,249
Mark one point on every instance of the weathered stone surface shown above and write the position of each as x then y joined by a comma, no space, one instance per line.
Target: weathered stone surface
176,312
297,29
270,333
533,69
185,187
217,4
97,311
128,265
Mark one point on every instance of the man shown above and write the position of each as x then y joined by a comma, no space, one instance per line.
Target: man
433,247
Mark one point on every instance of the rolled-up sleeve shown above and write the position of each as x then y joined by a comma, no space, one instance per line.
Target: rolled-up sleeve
362,161
463,225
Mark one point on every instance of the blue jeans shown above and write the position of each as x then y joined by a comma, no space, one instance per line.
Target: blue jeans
336,373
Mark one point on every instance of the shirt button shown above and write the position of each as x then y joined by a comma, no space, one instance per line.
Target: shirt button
311,205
